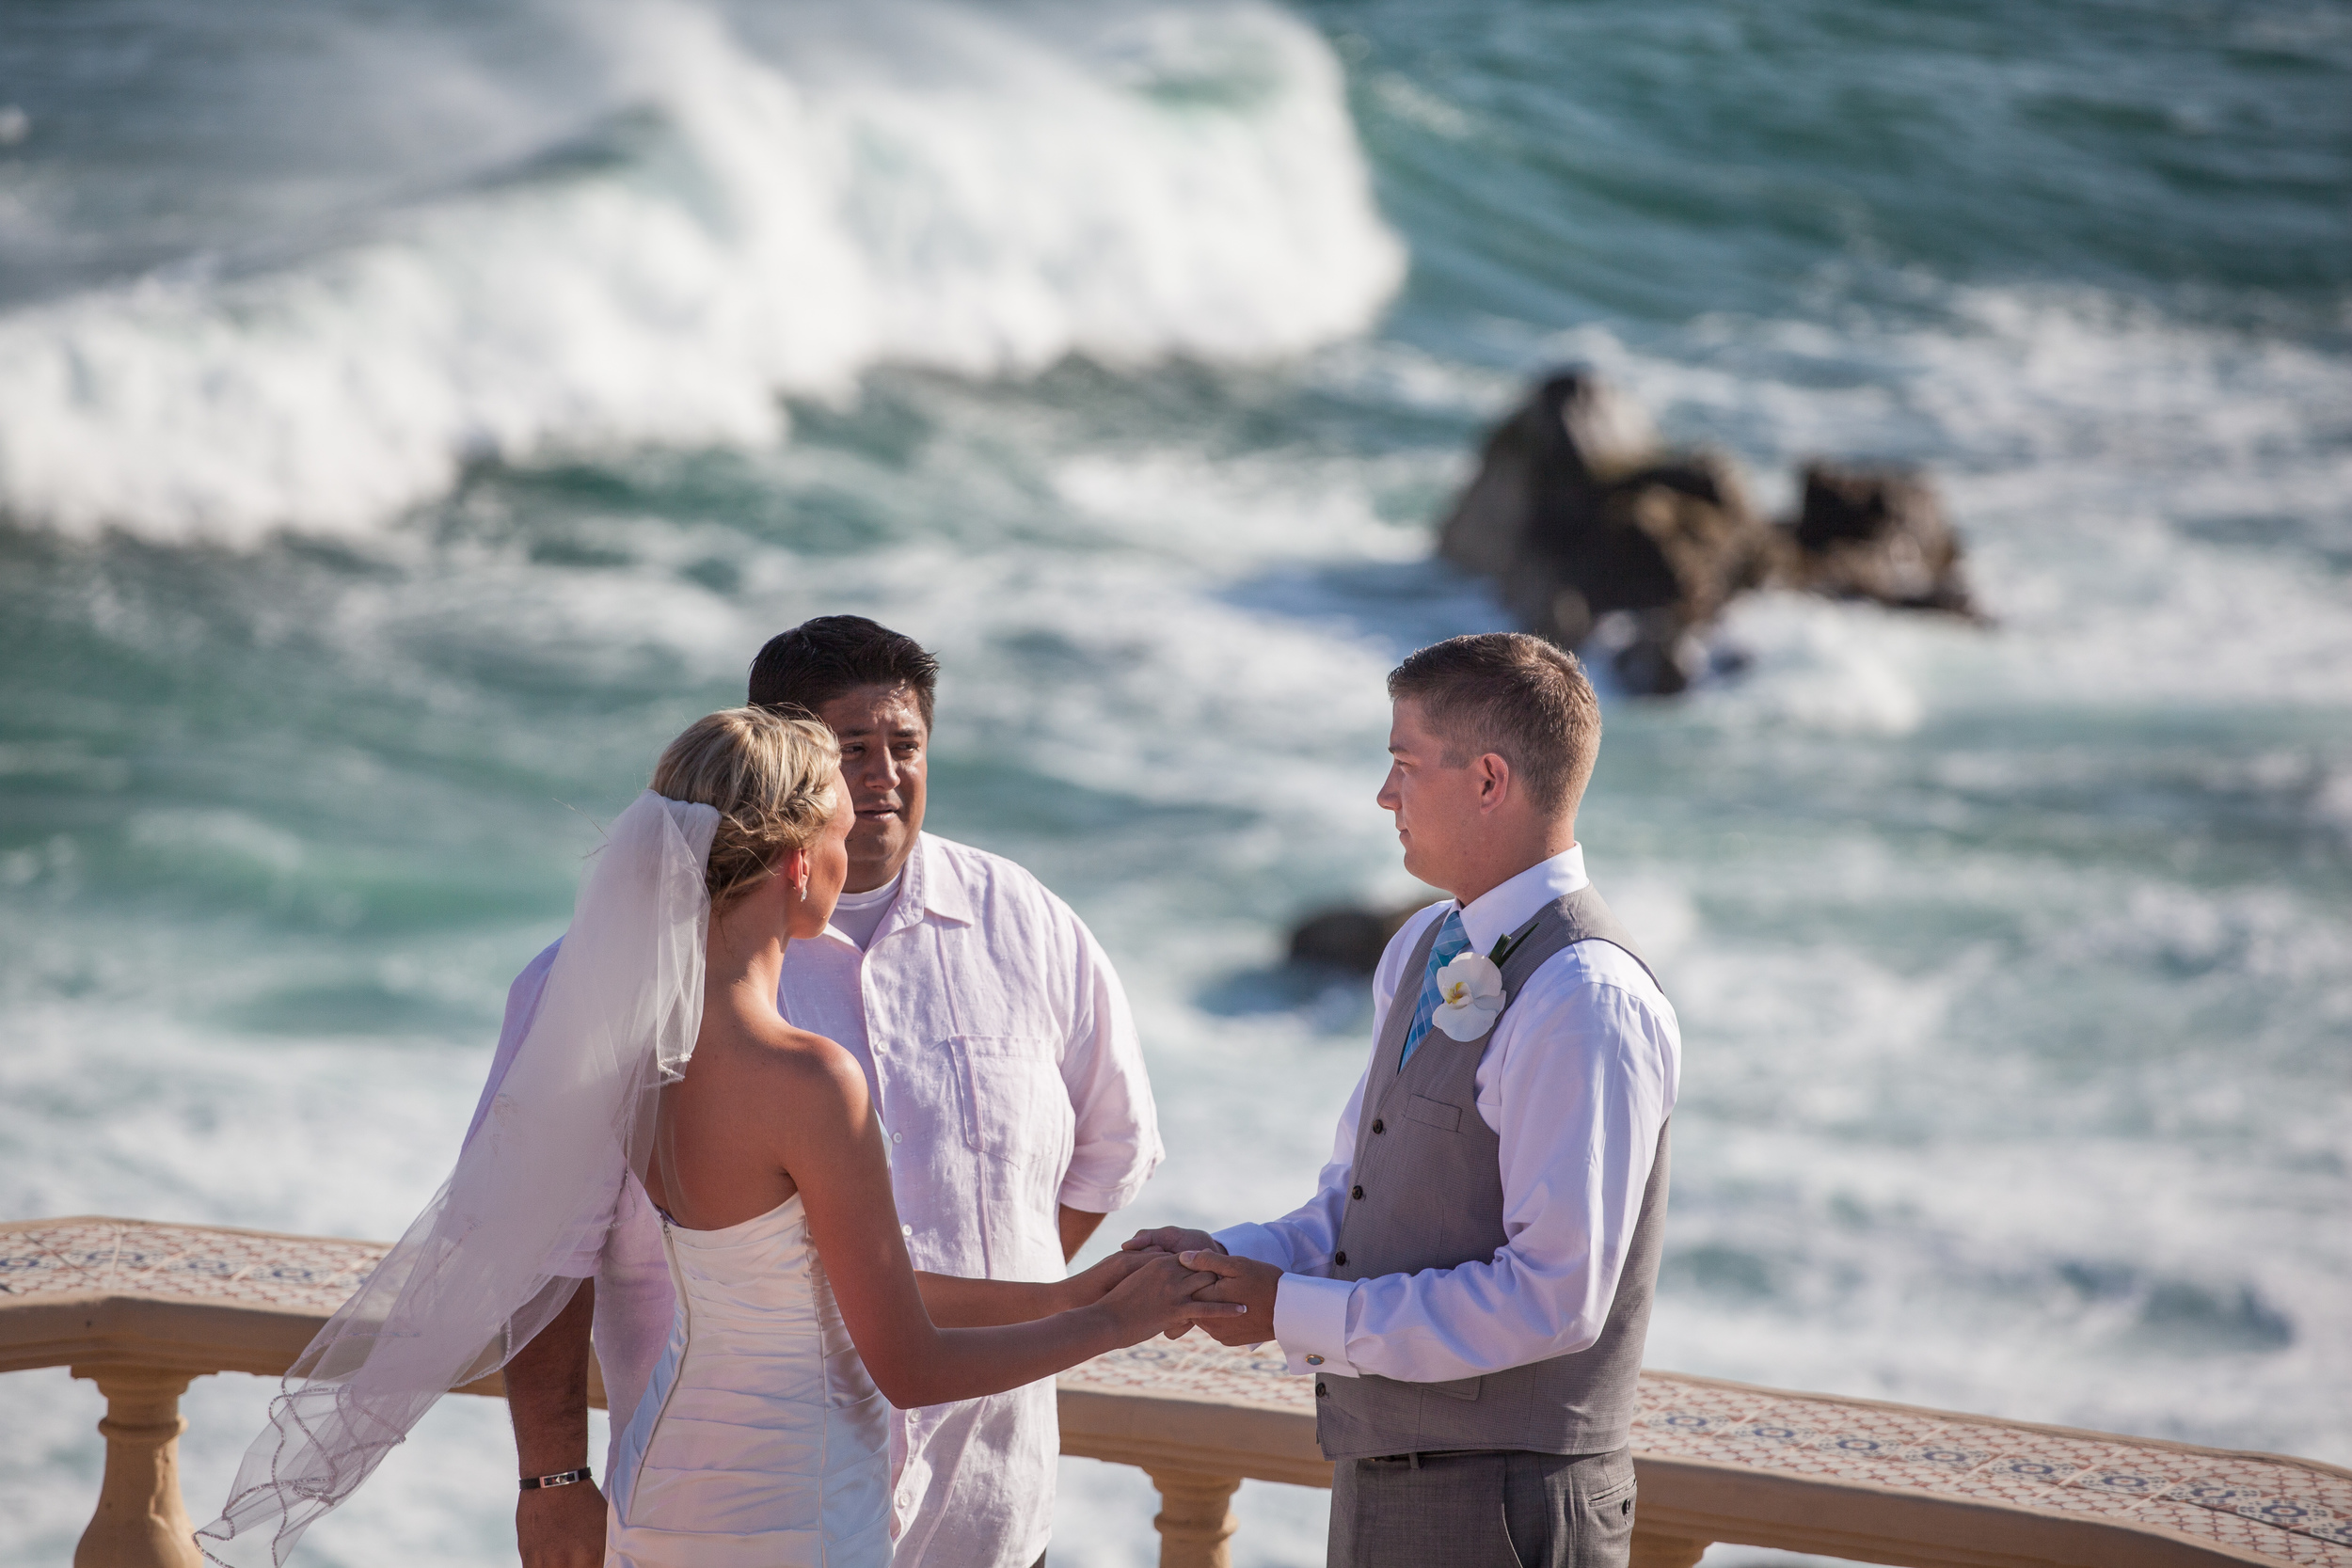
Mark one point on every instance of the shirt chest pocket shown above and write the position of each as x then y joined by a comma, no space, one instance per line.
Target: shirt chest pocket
1015,1107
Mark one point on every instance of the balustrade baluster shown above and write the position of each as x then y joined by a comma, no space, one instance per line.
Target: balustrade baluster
1196,1519
141,1521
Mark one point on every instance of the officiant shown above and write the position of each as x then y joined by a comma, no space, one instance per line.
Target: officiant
1002,1059
1470,1284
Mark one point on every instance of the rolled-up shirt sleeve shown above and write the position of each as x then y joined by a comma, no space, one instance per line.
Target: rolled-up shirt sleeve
1116,1139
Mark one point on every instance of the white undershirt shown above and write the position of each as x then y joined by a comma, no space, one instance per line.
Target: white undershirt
859,915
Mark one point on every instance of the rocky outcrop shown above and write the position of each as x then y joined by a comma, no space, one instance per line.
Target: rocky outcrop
1876,533
1599,537
1346,936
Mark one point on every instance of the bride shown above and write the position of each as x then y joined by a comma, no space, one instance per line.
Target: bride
657,1055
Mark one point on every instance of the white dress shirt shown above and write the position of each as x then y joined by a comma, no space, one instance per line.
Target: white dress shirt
1004,1064
1577,1081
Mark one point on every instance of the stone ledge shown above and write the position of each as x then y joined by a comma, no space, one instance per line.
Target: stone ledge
1720,1461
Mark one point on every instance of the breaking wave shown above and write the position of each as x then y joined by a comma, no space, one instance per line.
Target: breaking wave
731,218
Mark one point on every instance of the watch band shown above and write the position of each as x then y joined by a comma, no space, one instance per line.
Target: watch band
562,1478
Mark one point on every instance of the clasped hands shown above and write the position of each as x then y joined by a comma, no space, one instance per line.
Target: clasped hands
1241,1280
1236,1294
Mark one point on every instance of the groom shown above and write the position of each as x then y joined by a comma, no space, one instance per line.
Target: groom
1004,1067
1472,1284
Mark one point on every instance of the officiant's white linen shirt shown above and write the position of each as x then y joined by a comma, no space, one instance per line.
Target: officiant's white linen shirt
1004,1064
1577,1081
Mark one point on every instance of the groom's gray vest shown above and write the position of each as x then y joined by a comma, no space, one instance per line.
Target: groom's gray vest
1426,1193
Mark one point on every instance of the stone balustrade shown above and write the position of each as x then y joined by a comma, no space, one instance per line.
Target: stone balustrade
141,1310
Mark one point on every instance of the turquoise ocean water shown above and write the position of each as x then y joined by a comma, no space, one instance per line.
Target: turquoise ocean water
411,415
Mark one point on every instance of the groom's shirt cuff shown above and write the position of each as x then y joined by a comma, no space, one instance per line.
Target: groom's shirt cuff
1311,1324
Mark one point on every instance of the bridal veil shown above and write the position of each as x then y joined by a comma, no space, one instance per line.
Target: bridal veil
469,1285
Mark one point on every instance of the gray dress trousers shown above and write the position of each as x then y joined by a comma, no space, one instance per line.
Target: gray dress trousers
1497,1509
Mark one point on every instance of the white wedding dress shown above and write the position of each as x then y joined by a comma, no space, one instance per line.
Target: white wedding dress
761,1442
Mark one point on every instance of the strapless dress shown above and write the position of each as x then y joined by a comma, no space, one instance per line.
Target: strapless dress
760,1442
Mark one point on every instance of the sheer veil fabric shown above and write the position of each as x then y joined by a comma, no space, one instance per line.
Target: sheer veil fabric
469,1285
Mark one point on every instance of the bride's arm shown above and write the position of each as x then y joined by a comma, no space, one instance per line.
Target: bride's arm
832,1147
955,1302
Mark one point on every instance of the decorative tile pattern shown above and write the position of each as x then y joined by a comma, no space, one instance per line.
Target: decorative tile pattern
1949,1455
1767,1435
2223,1496
2229,1480
1863,1430
1196,1367
183,1261
2115,1481
2287,1513
2330,1492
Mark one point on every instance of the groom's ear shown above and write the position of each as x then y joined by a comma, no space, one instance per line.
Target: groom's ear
1493,773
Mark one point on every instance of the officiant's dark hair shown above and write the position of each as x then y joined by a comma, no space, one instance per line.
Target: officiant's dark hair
1514,695
821,660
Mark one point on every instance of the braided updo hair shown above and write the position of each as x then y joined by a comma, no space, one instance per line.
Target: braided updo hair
773,777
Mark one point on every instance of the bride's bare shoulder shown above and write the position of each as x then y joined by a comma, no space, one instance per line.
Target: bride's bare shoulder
806,1065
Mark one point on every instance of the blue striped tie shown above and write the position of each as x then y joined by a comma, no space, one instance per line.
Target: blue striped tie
1453,941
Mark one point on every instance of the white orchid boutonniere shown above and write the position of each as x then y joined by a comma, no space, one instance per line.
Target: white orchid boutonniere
1470,989
1469,996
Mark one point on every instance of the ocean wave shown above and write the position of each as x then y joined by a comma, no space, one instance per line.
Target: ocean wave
743,216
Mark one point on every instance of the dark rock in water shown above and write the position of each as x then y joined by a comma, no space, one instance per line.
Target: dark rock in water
1346,936
1599,538
1877,534
1587,524
1542,471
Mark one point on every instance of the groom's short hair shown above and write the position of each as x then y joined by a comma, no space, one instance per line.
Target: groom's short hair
833,654
1513,695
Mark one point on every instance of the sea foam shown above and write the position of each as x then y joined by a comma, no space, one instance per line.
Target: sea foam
738,216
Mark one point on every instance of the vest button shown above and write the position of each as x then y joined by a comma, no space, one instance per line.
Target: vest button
1379,1126
1355,1192
1340,1258
1321,1392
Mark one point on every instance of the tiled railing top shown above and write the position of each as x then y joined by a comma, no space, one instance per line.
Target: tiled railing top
191,1262
2284,1511
2287,1512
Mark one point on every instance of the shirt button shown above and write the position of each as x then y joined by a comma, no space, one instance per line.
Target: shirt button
897,1137
1341,1259
906,1230
1355,1192
1379,1126
1315,1361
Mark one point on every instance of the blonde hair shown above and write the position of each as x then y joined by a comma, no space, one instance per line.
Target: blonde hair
773,777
